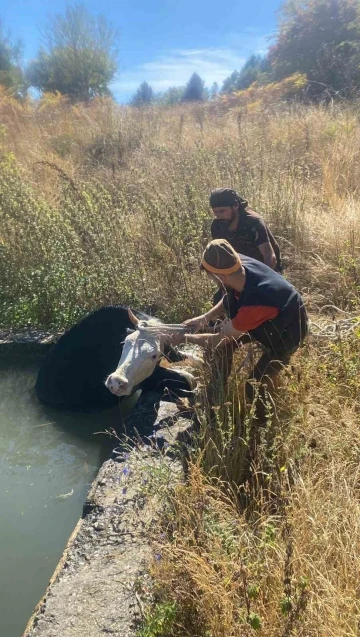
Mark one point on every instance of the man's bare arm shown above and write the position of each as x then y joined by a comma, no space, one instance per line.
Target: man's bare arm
199,322
226,334
268,254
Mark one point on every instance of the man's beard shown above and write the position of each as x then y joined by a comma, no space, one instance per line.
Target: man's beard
226,223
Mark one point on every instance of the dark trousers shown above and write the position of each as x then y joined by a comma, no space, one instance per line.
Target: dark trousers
277,353
280,339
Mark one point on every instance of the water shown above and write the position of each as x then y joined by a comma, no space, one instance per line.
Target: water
48,460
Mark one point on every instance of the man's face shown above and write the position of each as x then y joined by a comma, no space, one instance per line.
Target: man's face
214,278
225,213
221,280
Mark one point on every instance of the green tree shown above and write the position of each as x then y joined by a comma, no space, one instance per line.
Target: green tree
213,91
144,95
79,57
320,38
171,96
256,69
230,83
11,73
194,90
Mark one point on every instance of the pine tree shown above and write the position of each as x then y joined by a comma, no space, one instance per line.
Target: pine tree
214,91
194,90
144,95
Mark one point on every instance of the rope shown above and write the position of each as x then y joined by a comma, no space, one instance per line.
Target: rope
332,330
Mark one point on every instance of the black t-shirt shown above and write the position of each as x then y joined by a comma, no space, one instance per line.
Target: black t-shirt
250,233
267,296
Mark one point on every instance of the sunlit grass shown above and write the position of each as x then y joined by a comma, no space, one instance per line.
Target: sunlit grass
104,204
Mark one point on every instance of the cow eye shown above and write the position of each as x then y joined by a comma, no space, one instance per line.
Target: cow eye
154,356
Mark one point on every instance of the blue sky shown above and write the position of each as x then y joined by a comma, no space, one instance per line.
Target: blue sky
162,41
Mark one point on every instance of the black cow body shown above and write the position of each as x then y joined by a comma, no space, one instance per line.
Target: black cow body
73,373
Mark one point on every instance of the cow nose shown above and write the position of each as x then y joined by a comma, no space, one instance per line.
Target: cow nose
116,384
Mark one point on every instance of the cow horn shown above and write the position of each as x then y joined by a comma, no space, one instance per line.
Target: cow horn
133,318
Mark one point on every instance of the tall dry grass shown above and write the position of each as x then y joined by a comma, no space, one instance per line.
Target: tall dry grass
102,204
277,555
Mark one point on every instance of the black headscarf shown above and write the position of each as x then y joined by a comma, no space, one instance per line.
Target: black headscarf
222,197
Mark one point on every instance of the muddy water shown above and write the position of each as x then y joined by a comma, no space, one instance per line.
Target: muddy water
48,460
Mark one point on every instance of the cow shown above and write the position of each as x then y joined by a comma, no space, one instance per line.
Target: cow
141,353
72,375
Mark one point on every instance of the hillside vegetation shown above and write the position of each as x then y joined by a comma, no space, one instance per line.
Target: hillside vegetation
107,204
102,203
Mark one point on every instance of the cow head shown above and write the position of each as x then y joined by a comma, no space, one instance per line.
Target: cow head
141,352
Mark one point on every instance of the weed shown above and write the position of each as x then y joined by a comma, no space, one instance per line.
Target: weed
106,204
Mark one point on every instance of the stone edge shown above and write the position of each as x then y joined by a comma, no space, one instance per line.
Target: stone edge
172,430
58,569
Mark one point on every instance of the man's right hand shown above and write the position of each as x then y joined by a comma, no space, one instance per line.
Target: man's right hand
197,323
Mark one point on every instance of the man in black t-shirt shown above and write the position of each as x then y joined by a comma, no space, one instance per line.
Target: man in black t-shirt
243,228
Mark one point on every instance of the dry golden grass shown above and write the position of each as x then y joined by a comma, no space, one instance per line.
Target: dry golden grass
280,555
124,193
103,204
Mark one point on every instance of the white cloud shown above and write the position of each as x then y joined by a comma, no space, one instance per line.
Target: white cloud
212,64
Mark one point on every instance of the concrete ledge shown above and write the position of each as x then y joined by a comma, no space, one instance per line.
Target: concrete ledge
99,586
32,342
30,337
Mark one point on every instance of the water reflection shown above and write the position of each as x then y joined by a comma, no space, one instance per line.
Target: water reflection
48,459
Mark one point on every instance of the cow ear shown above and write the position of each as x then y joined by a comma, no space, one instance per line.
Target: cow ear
133,318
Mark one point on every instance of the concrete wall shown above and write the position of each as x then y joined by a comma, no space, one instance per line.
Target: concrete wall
99,586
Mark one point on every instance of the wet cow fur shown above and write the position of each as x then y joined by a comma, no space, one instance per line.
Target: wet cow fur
73,373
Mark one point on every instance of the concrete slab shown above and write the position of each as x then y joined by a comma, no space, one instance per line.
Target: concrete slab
99,586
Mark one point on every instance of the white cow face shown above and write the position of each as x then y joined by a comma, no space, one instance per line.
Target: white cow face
141,353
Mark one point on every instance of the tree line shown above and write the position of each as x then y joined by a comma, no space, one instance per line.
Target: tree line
78,56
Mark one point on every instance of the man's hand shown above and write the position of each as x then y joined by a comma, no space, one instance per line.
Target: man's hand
175,339
196,324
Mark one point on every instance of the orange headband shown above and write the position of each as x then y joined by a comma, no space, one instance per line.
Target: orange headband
210,268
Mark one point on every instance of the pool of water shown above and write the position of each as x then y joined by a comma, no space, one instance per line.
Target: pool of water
48,459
